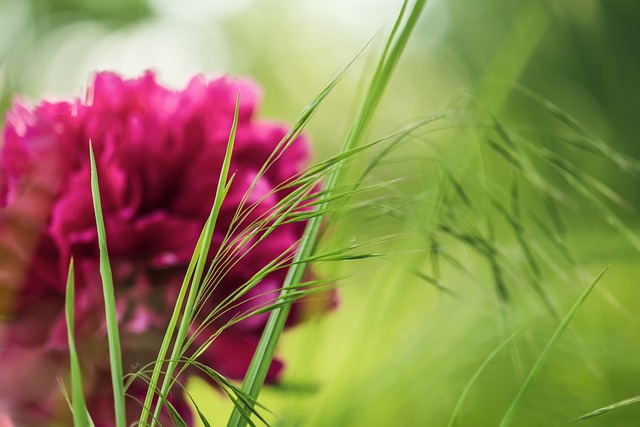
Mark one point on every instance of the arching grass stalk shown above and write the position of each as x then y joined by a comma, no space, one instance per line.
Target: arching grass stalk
465,391
265,351
202,250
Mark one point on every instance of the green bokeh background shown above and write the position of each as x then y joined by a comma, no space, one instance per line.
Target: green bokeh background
397,352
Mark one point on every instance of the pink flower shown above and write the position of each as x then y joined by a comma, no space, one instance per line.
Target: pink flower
158,153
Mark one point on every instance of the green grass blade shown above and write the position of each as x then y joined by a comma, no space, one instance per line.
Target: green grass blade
240,400
476,375
79,407
265,351
535,370
194,290
201,416
164,348
87,417
597,412
115,358
177,419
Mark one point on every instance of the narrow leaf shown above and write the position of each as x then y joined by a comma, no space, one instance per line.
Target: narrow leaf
115,358
79,408
537,367
597,412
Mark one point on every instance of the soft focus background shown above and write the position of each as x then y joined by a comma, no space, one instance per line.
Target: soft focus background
398,352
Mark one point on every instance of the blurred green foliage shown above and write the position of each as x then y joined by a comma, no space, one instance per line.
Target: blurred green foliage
115,13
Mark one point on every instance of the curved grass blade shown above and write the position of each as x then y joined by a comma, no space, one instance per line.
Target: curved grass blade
535,370
476,375
187,316
605,409
115,358
244,404
79,408
201,416
586,139
177,419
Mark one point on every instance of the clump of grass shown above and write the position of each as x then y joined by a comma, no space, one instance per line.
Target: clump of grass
466,209
266,348
191,291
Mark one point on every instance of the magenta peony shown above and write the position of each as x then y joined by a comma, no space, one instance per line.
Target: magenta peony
158,153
